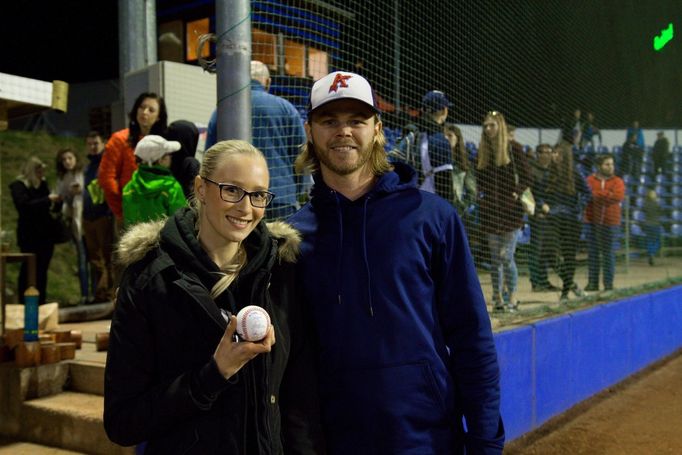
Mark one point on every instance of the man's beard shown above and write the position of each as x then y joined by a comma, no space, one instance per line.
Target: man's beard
344,168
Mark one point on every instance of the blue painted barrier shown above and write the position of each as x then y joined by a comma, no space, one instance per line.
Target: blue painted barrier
549,366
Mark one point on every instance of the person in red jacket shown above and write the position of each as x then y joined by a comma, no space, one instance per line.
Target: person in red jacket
603,216
148,116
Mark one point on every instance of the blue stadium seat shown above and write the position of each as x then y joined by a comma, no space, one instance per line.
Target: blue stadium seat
638,215
677,179
602,149
636,230
676,230
676,216
628,180
639,202
645,180
676,203
641,190
676,190
662,179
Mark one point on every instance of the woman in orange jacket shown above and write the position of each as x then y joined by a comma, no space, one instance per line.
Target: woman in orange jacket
148,116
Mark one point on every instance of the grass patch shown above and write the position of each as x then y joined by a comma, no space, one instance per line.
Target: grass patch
15,148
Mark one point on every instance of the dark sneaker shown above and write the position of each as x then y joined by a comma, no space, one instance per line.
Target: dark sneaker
608,287
577,291
651,260
549,287
564,298
591,288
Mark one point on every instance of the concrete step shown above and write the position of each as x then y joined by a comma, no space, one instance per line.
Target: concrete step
69,420
86,377
13,447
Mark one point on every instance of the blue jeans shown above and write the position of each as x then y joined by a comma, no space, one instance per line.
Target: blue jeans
83,275
653,238
600,254
503,270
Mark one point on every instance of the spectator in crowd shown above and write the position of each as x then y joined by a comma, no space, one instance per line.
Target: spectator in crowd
632,158
503,175
152,193
184,165
541,252
33,201
572,128
590,131
463,180
148,116
661,153
567,194
177,376
70,185
652,224
425,148
637,131
98,223
277,130
399,313
603,217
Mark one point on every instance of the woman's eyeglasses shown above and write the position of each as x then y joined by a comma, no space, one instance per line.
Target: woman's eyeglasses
234,194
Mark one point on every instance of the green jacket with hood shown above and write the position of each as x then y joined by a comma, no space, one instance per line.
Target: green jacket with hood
151,194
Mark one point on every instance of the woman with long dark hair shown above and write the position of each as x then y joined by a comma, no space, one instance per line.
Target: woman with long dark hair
567,195
148,116
503,175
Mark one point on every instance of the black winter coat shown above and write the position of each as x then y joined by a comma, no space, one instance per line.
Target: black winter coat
161,383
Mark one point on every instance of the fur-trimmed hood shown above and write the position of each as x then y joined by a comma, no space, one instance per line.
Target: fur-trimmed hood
143,237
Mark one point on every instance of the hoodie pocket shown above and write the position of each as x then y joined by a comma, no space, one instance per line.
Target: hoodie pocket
394,402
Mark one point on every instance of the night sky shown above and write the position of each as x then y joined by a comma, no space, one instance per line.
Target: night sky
535,60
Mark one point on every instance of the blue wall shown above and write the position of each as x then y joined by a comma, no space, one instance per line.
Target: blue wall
550,366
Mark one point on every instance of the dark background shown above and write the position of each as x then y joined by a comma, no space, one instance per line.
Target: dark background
534,60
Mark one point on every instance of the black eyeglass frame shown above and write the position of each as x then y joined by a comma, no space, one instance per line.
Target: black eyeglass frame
220,186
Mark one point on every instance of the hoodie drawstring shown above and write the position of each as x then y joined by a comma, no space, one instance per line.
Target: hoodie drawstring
364,254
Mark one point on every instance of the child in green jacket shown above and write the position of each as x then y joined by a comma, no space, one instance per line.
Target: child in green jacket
152,192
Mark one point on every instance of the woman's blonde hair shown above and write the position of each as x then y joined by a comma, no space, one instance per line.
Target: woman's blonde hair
308,162
212,159
28,172
494,151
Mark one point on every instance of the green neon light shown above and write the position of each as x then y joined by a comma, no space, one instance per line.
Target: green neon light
663,39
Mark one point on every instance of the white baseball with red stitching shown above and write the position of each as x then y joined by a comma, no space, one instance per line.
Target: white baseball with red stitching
252,323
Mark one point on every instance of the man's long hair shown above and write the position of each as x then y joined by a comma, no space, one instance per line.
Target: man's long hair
308,162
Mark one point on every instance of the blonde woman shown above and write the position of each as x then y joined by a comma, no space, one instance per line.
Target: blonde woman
176,376
503,175
33,201
70,187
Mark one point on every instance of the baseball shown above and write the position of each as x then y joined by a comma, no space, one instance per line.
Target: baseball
253,323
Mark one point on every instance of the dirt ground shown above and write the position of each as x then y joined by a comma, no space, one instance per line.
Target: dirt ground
641,415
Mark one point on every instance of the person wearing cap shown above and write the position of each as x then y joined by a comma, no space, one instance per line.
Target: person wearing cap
152,192
405,347
429,149
277,130
34,201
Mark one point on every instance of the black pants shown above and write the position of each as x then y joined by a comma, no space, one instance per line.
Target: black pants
541,252
566,231
43,254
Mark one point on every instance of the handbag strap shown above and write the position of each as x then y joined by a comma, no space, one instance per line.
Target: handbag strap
511,158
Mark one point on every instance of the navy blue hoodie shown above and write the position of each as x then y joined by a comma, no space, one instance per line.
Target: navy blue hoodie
404,338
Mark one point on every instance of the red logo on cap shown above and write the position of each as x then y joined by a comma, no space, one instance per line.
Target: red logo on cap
339,82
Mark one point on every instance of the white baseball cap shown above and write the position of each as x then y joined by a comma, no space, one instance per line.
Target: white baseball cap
341,85
152,148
